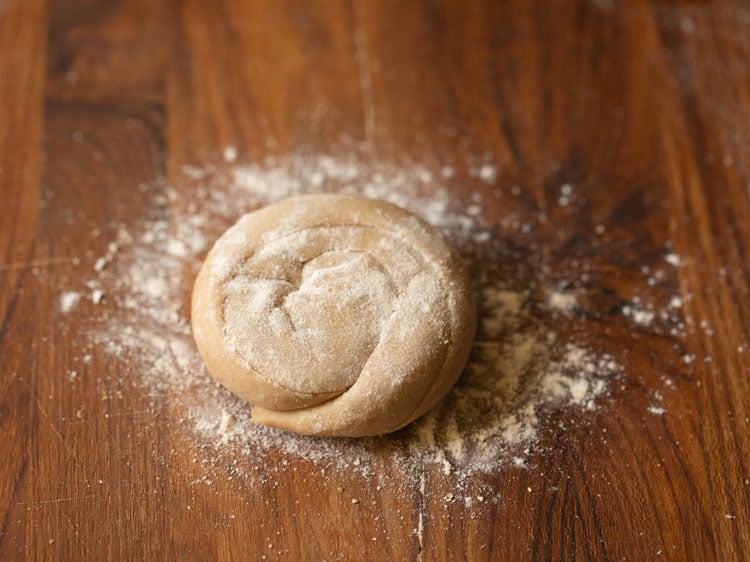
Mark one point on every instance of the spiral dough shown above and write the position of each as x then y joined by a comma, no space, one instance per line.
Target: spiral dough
334,315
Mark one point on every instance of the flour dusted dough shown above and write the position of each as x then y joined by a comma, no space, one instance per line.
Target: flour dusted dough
334,315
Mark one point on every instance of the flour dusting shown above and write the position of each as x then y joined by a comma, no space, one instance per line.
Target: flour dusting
69,300
528,362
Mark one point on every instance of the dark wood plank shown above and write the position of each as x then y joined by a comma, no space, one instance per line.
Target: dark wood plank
22,56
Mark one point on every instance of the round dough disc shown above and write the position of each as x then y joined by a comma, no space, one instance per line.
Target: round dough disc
334,315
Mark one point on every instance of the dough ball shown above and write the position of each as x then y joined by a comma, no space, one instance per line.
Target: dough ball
334,315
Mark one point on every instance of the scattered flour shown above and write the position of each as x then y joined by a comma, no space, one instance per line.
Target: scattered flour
69,300
97,295
639,316
230,154
522,371
566,195
562,301
487,173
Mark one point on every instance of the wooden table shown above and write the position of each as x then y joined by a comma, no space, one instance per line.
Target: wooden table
644,107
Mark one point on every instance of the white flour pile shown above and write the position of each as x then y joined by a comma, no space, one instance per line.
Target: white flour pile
522,369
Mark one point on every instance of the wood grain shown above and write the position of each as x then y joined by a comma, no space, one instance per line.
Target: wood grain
644,107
